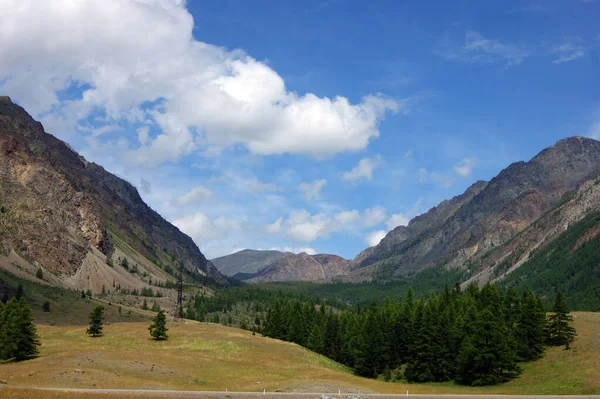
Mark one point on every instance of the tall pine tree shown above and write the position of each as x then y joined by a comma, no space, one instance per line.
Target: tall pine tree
96,322
158,329
560,331
18,336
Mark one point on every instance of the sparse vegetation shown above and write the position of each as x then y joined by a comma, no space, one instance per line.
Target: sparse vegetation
39,273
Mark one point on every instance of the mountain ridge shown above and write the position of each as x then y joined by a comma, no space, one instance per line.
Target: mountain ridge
64,212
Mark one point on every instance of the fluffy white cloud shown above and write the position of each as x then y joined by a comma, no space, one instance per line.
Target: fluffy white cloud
397,219
303,226
149,69
402,219
479,49
374,216
201,228
312,190
194,196
295,250
373,238
274,227
465,166
364,169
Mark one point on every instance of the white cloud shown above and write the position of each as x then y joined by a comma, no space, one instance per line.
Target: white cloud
479,49
201,228
364,169
397,219
373,238
194,196
274,227
465,166
374,216
312,190
201,96
295,250
303,226
402,219
568,51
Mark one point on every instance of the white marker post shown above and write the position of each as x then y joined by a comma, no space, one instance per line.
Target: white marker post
264,391
407,393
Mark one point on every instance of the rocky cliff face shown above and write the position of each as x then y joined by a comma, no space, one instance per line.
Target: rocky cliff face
486,216
57,208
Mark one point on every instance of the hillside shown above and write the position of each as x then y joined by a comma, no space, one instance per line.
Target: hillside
210,357
70,217
460,233
246,261
274,266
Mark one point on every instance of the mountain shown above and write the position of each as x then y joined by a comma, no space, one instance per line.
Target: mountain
269,266
69,217
246,261
466,232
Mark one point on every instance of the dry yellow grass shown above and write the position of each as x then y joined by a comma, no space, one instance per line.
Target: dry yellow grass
211,357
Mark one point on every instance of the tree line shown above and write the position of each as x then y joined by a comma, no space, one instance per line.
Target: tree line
475,337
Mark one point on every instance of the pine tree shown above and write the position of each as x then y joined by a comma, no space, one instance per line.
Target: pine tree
20,292
83,296
158,329
316,341
487,357
145,305
560,331
155,307
96,322
39,273
46,306
530,327
19,339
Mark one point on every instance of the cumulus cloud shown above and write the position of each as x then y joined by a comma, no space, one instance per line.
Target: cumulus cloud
479,49
194,196
374,216
465,166
303,226
149,69
402,219
373,238
312,190
201,228
274,227
364,169
295,250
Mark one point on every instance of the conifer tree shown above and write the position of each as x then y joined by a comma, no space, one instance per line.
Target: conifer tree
487,357
145,305
316,341
96,322
158,329
530,327
39,273
560,331
19,339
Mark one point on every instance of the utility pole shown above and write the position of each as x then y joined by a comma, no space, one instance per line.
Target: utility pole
179,309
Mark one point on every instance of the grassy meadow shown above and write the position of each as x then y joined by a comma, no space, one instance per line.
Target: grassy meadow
211,357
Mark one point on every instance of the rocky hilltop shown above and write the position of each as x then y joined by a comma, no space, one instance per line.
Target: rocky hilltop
270,266
69,217
247,261
460,232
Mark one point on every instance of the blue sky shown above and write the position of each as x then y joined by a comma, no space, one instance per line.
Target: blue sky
312,125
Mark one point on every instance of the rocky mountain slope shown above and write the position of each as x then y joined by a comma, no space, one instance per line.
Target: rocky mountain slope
68,216
246,261
269,266
466,232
